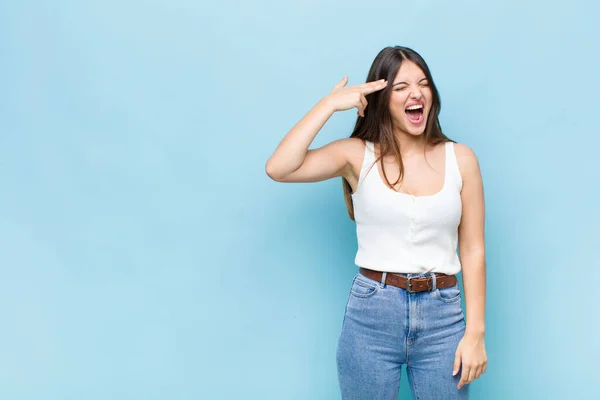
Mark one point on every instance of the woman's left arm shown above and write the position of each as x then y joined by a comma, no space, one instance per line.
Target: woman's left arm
471,245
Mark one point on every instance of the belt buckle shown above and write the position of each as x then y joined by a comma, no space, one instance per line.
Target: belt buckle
408,288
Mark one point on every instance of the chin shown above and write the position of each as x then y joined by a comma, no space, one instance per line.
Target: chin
415,130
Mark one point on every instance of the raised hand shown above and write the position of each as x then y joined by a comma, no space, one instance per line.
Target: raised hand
344,98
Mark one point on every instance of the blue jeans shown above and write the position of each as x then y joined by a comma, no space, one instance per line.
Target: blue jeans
385,327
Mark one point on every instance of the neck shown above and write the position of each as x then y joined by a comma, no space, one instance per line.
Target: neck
410,145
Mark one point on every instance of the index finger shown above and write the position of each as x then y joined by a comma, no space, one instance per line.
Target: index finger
371,87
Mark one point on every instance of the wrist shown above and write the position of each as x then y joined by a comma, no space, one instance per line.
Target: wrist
475,331
325,103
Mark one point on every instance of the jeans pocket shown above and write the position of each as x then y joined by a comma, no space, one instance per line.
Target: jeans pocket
363,287
448,294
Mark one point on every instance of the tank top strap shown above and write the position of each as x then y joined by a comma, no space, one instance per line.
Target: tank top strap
452,170
369,152
368,160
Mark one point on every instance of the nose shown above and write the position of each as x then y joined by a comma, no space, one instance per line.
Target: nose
416,94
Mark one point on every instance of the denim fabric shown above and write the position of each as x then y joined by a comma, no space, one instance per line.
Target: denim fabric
385,327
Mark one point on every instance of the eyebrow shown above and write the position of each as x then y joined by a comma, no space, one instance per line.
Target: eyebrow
398,83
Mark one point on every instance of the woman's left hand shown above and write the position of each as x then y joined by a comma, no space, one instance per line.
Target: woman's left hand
471,352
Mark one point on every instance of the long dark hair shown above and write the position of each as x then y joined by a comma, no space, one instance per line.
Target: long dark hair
376,125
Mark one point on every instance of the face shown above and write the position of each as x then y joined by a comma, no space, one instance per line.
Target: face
410,99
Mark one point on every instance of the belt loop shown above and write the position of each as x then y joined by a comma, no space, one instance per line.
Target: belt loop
383,276
433,287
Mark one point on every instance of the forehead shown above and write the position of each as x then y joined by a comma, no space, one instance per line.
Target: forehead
409,71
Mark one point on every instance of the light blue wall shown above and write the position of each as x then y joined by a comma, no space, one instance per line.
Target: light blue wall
145,254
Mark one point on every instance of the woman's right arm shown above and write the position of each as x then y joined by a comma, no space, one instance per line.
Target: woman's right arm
293,162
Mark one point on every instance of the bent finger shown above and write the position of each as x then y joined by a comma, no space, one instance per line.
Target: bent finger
363,104
363,101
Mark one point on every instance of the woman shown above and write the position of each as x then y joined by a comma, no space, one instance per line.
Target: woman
414,195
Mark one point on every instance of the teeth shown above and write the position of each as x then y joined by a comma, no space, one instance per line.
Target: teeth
415,107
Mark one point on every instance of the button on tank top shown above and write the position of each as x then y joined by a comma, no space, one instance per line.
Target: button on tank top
402,233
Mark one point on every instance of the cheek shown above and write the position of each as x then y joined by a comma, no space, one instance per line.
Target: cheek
397,101
428,96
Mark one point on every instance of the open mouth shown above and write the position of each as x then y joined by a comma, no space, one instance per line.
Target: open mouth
415,114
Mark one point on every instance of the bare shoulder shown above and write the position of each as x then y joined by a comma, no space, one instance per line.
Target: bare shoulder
353,150
468,164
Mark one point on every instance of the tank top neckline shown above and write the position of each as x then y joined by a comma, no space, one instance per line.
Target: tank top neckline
382,184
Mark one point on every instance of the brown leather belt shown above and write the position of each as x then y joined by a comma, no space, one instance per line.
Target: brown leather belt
420,284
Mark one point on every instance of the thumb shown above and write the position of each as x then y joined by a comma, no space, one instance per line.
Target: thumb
342,83
456,364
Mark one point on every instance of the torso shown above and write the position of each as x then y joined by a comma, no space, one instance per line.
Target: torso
413,227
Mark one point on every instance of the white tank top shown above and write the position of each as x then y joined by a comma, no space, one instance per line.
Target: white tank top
399,232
